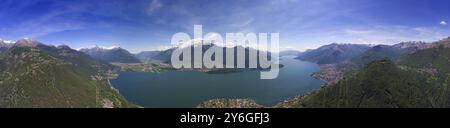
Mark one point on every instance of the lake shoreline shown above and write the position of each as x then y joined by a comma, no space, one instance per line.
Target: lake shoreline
147,89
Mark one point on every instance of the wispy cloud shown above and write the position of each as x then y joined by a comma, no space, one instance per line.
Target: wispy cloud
40,18
146,24
391,34
358,32
154,6
244,23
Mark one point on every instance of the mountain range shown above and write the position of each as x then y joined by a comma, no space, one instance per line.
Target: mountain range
408,74
116,55
165,56
333,72
120,55
290,53
333,53
148,55
404,75
33,74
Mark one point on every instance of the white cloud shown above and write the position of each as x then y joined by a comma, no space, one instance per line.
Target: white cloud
154,6
389,34
358,32
443,23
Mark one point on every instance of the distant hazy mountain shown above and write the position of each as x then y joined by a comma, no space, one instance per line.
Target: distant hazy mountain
2,43
418,78
379,52
3,46
165,56
333,53
119,55
334,72
147,55
36,75
290,53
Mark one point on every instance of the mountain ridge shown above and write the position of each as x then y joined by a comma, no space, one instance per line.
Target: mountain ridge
333,53
116,54
36,75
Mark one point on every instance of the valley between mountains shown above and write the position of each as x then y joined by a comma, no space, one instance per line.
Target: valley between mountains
404,75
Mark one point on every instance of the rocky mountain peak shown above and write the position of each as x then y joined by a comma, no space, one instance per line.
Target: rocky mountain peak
26,42
415,45
64,47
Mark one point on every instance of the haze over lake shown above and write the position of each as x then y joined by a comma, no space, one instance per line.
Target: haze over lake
187,89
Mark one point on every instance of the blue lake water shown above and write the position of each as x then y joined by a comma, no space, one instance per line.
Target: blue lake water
175,89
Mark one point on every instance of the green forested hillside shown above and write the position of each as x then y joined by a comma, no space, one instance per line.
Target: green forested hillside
380,84
436,59
46,76
379,52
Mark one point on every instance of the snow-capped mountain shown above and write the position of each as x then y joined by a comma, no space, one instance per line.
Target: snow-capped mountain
111,54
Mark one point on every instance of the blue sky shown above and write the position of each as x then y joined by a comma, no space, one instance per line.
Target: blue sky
140,25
